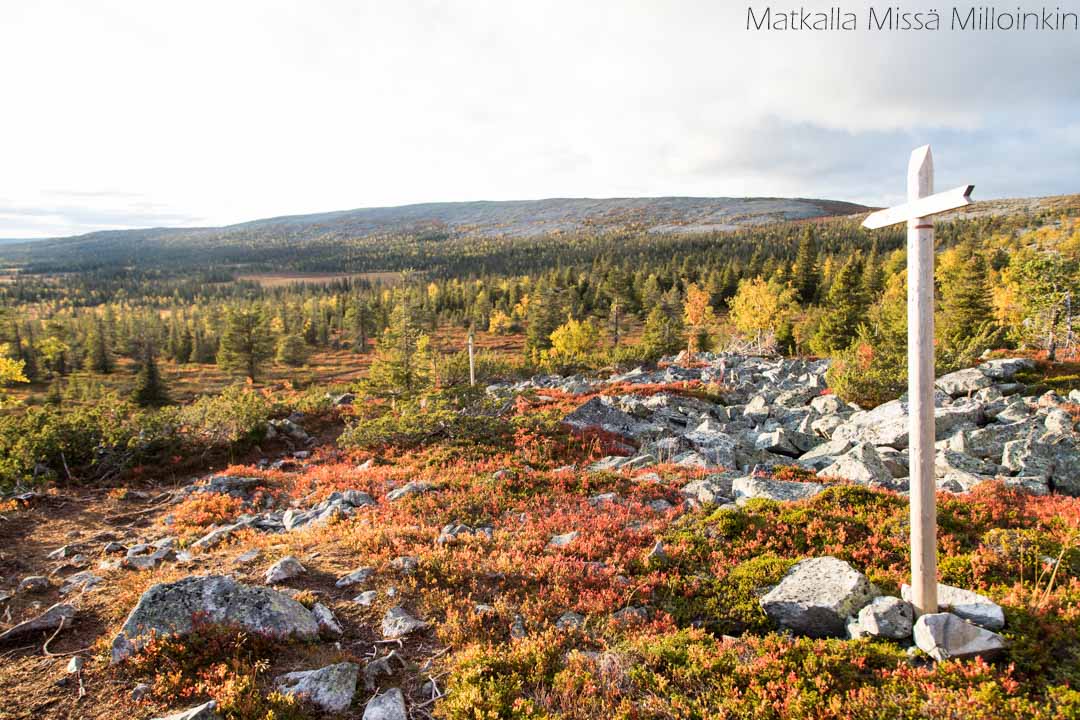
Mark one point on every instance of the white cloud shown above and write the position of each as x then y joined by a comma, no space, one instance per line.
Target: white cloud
223,112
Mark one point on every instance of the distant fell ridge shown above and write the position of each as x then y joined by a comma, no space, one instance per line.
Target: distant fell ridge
512,218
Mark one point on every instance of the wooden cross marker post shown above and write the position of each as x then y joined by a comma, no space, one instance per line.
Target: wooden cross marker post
915,212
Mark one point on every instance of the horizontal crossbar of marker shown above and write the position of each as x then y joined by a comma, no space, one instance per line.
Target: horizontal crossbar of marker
923,207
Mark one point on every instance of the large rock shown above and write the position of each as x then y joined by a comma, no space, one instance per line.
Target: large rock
388,706
963,382
824,454
712,443
746,488
887,617
887,424
599,414
970,606
1004,369
945,636
330,688
817,596
712,489
169,608
757,410
862,464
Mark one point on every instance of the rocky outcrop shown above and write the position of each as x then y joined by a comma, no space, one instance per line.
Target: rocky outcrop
169,609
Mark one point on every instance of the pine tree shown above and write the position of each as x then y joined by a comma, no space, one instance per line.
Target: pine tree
845,308
149,387
805,271
246,341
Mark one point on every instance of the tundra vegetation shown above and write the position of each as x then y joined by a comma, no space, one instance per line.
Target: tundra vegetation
663,429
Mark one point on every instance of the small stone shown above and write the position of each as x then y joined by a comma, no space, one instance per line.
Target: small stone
33,584
388,706
246,558
417,487
398,623
405,564
564,539
75,664
206,711
356,577
140,691
945,636
284,569
331,688
365,598
570,621
887,617
326,620
657,554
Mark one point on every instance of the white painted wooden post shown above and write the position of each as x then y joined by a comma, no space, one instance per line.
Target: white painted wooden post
472,361
920,251
915,212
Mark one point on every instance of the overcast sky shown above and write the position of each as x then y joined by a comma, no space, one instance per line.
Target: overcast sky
134,114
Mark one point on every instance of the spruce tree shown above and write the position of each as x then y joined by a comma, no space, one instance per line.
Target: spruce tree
246,341
873,279
546,313
966,324
149,387
402,365
845,308
292,350
100,359
806,277
663,334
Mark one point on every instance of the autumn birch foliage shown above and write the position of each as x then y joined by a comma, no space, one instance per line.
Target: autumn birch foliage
699,316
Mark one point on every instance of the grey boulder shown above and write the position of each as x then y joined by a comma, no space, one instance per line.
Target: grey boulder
817,596
747,488
284,569
887,617
397,623
970,606
963,382
862,464
168,608
331,688
390,705
945,636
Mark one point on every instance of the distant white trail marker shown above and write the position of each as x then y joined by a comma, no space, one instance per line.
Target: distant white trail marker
920,251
